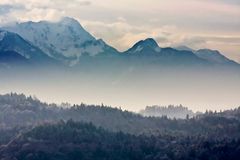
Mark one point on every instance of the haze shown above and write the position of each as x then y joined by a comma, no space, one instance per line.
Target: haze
132,90
194,23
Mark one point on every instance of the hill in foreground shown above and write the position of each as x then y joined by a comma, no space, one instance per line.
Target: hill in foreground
73,141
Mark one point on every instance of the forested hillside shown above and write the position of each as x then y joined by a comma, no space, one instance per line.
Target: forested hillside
30,129
74,141
21,111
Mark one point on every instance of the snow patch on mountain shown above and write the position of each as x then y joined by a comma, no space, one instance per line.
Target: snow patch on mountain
93,50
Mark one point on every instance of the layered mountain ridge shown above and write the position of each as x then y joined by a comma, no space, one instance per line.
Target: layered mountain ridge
67,42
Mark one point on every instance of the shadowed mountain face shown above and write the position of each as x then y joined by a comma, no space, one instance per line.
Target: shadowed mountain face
13,58
14,50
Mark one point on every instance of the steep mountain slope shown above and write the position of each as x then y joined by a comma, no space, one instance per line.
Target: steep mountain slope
14,48
65,40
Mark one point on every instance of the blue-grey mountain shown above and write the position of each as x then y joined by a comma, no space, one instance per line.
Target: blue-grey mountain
70,44
15,50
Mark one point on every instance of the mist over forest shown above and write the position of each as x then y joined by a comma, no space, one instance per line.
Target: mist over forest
119,80
31,129
130,89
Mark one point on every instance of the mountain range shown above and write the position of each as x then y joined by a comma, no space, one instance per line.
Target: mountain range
67,43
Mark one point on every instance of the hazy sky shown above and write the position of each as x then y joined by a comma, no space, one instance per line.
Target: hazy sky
211,24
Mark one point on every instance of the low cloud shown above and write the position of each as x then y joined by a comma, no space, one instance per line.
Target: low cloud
162,40
85,3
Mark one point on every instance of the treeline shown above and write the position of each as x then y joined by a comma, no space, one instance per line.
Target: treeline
32,130
171,111
73,141
21,111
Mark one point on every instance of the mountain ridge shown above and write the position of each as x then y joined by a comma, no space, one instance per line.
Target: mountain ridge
67,42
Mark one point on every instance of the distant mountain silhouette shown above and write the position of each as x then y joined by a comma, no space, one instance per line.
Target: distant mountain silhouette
70,44
214,56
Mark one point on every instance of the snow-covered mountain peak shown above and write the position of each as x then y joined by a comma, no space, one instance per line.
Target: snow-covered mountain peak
69,21
61,40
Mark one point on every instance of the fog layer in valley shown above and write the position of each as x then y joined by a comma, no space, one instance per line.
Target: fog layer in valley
132,89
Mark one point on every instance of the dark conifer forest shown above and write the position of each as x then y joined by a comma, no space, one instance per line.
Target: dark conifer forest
33,130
